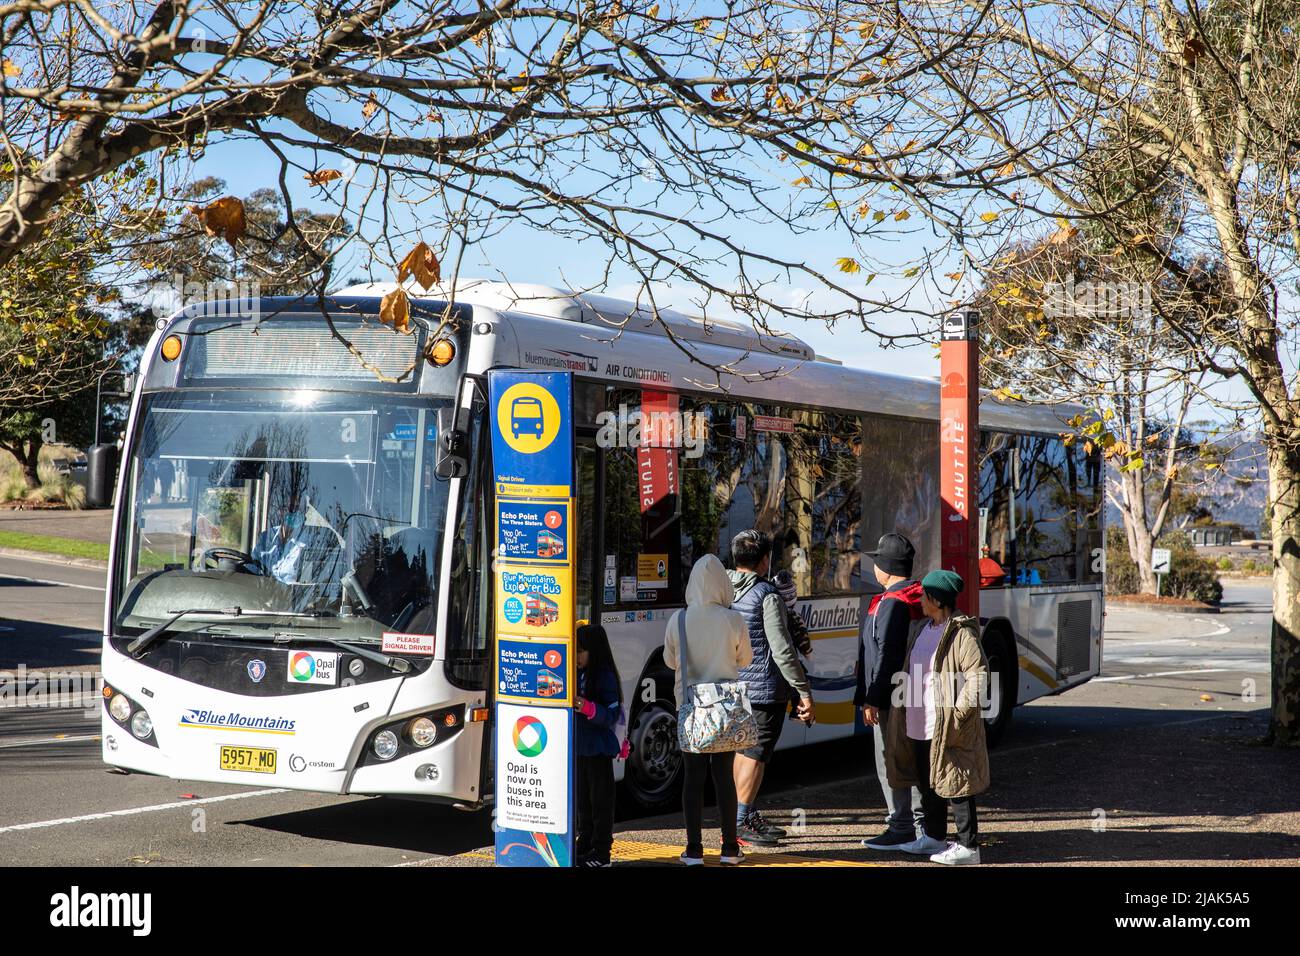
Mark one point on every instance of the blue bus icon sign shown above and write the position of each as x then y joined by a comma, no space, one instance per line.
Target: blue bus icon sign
526,416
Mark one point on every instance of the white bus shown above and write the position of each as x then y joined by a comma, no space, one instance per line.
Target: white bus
300,584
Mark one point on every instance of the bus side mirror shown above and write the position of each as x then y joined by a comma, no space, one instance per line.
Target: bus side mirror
451,460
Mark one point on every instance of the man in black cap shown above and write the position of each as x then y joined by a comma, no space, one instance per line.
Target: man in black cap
882,645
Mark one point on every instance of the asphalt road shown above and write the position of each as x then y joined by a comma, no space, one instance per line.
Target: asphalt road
59,805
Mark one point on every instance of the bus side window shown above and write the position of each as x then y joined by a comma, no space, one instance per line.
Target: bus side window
641,511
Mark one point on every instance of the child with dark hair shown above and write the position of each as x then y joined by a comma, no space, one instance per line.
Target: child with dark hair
783,580
599,703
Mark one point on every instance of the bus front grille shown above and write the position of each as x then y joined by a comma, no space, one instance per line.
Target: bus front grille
1073,637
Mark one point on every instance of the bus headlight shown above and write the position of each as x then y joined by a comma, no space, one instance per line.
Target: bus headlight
142,724
120,708
422,732
385,745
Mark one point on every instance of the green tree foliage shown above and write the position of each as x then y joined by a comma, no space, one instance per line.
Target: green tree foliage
1191,576
53,337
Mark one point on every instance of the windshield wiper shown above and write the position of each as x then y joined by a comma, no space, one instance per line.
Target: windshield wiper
396,663
142,643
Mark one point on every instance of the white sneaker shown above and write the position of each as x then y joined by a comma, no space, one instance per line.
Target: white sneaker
923,846
733,860
691,860
957,855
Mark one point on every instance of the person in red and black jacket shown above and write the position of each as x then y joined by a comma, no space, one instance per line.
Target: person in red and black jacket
882,646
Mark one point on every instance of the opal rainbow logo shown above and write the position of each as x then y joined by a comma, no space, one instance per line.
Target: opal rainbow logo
302,666
529,736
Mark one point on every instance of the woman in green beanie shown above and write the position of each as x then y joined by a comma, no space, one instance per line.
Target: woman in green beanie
940,748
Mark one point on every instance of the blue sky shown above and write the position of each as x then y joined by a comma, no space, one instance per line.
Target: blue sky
523,254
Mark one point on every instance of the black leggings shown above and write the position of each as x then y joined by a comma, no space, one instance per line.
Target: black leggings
595,807
696,768
935,807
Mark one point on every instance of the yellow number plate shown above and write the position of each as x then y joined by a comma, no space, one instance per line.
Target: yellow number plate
250,759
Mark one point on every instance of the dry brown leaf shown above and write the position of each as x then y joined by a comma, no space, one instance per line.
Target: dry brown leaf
1207,697
421,263
719,94
1192,50
1007,169
11,68
319,177
1064,234
370,107
653,11
223,217
395,310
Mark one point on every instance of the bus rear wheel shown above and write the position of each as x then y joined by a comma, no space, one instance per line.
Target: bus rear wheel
654,767
999,650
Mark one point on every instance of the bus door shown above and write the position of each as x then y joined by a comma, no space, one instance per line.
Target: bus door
586,508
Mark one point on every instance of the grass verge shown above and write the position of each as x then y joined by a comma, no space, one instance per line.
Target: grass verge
49,544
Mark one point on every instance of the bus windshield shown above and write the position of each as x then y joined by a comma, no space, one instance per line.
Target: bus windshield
293,506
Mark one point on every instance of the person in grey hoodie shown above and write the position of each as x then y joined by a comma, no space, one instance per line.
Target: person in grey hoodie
717,648
774,672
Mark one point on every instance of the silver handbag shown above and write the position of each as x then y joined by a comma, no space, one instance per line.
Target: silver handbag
715,717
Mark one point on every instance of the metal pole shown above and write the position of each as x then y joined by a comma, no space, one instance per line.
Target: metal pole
99,384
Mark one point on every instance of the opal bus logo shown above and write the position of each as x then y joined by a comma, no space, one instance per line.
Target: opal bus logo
529,736
302,666
305,667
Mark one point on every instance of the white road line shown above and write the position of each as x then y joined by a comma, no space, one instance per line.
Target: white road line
32,742
1210,670
62,584
1120,643
84,701
110,814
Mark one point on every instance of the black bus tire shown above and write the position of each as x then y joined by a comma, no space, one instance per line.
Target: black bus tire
653,774
999,649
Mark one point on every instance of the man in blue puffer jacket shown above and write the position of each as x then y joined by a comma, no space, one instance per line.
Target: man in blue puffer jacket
773,673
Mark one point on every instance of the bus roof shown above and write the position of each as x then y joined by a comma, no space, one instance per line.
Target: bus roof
595,336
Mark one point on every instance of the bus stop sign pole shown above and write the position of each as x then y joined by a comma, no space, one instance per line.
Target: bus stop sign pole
959,452
533,677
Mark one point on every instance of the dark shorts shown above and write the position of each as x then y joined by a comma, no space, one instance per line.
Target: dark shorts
770,719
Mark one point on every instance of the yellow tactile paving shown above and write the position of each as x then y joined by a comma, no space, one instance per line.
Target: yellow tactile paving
629,851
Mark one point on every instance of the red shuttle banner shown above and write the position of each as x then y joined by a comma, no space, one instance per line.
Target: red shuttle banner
657,456
959,432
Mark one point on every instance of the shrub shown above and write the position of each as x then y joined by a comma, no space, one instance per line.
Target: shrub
1225,563
54,487
1191,576
1249,566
